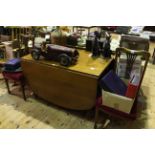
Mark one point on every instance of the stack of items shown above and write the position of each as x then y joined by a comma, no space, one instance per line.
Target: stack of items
116,94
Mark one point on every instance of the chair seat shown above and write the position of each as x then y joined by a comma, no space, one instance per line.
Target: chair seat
13,76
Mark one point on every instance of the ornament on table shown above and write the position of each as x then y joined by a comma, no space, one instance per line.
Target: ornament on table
96,46
106,51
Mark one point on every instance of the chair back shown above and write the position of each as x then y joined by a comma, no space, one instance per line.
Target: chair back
131,57
134,42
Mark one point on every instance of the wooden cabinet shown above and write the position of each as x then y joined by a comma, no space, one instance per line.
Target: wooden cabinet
73,87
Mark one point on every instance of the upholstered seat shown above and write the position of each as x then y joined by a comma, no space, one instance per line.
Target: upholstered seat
13,76
16,77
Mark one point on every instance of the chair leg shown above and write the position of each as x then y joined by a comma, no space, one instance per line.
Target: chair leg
96,117
106,123
23,89
7,85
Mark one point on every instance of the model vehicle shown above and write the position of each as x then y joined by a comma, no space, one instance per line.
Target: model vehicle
64,55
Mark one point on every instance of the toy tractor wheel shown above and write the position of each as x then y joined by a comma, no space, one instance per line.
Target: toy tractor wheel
64,60
35,54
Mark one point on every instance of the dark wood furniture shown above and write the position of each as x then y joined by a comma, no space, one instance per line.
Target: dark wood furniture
73,87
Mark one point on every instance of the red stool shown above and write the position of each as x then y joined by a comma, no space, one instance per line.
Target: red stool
16,77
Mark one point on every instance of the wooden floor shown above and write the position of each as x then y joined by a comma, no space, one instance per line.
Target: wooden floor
16,113
36,113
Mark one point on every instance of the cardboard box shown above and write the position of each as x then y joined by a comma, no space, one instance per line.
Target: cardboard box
117,102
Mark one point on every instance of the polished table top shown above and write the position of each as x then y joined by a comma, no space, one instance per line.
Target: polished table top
86,64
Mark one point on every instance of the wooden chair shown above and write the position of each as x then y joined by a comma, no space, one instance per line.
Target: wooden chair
130,59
